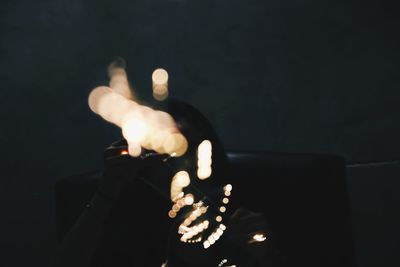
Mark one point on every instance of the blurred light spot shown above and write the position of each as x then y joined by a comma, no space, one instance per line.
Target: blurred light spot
175,208
182,179
175,144
134,149
134,127
160,84
95,97
204,160
228,187
189,199
259,238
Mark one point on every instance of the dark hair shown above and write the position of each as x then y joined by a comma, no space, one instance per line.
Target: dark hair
196,128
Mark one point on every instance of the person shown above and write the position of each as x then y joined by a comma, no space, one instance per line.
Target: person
125,223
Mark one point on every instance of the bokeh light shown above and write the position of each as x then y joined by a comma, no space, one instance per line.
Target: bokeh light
204,160
141,125
182,178
160,84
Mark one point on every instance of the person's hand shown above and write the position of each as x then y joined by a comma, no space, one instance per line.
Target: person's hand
249,231
120,167
245,224
237,245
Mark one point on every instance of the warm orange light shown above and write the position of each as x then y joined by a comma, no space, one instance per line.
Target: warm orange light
180,203
181,179
124,152
259,238
172,214
192,217
203,209
189,199
175,208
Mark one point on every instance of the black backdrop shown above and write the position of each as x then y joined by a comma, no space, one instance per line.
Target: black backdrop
289,76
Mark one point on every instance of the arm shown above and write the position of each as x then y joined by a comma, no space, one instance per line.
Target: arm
80,243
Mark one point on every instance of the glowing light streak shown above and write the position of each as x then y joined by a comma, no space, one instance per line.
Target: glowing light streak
190,232
141,125
180,180
258,238
160,84
214,236
204,160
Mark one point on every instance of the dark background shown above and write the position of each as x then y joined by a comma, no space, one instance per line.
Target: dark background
288,76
